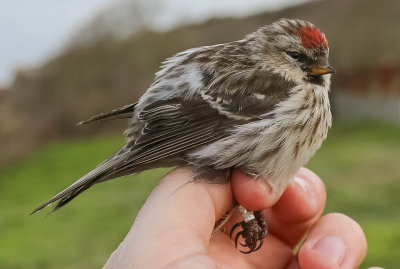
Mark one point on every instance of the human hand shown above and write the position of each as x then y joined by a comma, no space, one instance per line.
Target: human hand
174,227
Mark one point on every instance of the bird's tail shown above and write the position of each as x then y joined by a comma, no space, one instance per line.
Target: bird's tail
101,173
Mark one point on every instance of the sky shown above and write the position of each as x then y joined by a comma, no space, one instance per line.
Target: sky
200,10
31,32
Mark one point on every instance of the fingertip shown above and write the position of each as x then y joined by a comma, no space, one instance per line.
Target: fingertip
314,181
300,206
307,173
303,200
328,252
252,194
335,241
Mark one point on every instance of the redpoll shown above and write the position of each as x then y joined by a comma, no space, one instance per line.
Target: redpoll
260,103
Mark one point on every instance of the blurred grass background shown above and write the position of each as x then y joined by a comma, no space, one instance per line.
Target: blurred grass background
358,163
42,152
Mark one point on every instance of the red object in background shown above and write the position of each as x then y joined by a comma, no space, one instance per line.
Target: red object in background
355,82
387,73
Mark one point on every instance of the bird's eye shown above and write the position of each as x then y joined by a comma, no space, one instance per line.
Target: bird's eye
294,54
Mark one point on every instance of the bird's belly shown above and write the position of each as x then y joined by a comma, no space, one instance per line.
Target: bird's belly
272,148
277,156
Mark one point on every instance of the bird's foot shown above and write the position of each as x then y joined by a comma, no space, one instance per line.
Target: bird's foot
254,230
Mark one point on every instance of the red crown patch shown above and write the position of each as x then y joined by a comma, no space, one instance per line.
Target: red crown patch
312,38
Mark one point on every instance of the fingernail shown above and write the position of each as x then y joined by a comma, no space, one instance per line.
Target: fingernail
332,248
264,186
302,183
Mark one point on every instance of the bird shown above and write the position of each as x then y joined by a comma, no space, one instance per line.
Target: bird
260,104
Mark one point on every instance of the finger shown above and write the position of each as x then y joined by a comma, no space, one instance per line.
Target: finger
294,264
335,241
252,194
288,219
298,209
180,214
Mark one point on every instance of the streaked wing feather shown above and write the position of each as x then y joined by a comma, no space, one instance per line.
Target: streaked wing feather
179,144
171,129
124,112
247,96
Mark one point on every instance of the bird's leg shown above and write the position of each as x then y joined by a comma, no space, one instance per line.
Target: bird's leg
254,230
254,227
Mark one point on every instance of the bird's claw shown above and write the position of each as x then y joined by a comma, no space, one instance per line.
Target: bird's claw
253,233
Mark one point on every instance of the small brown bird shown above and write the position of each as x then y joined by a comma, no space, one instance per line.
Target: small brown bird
260,103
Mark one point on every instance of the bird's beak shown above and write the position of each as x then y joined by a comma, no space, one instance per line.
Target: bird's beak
317,70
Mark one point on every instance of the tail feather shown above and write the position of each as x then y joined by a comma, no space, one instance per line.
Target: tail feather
66,199
100,173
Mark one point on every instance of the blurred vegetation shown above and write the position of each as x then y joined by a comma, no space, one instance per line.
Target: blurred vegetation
83,235
45,103
359,164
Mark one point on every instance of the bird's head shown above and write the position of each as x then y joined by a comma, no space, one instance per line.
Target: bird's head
295,49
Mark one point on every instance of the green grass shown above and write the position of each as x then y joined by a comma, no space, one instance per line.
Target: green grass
360,164
84,233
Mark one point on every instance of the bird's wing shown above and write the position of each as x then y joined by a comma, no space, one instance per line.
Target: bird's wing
171,127
124,112
168,128
247,95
